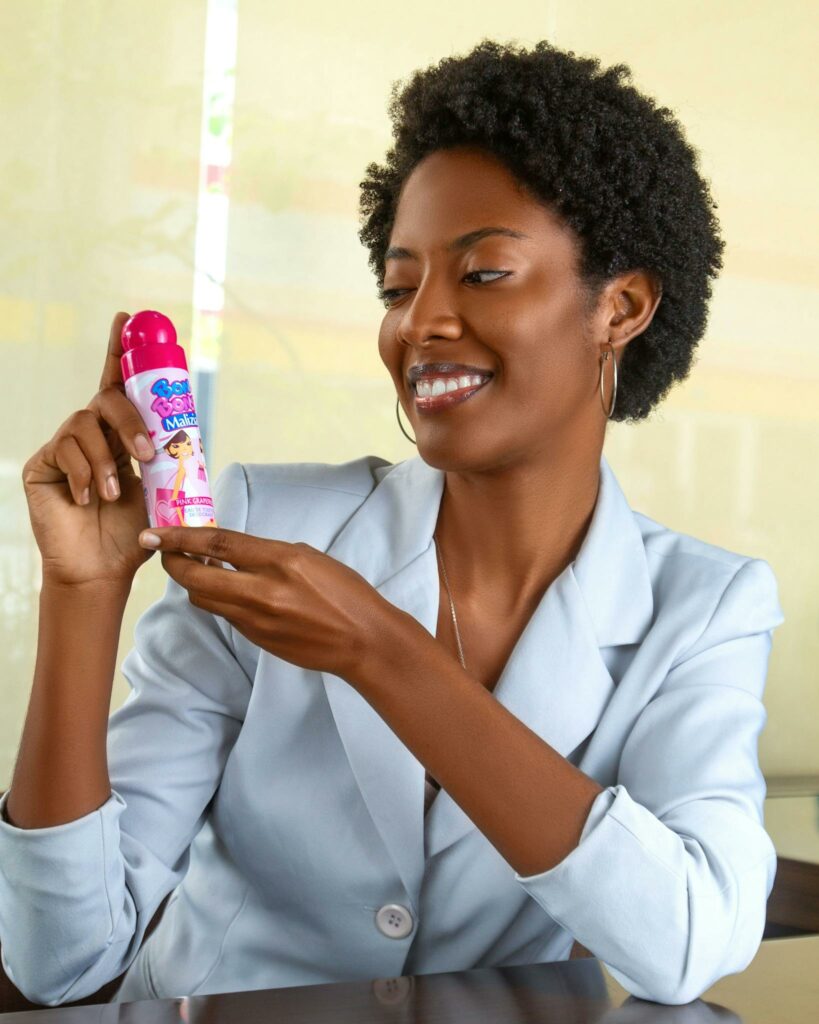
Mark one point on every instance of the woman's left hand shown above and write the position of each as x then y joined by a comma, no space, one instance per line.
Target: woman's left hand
290,599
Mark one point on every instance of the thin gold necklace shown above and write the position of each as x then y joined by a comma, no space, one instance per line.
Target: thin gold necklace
435,782
451,604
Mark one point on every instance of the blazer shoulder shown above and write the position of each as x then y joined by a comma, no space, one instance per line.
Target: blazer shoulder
357,477
661,542
690,573
308,501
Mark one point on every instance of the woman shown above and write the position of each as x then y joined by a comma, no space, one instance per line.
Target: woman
583,683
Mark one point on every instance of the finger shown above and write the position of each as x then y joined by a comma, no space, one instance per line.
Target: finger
206,560
112,367
81,452
123,416
67,456
87,437
235,614
240,549
207,582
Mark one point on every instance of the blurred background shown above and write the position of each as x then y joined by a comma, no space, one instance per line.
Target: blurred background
203,157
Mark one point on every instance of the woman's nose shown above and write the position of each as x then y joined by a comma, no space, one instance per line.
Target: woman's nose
430,313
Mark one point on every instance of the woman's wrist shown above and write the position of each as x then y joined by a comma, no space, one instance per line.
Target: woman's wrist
89,592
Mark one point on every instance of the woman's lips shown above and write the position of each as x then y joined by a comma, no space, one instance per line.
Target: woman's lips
449,398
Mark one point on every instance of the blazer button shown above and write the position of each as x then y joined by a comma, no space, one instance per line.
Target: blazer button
392,991
394,921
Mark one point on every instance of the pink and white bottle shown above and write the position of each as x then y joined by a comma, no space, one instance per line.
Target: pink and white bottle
155,372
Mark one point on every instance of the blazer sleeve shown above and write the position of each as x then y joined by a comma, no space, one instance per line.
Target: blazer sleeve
76,898
669,883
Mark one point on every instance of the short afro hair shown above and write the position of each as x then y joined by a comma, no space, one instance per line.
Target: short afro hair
583,141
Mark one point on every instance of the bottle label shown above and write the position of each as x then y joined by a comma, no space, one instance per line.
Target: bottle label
175,482
173,403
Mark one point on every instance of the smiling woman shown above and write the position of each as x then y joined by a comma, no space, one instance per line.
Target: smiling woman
600,159
332,772
541,224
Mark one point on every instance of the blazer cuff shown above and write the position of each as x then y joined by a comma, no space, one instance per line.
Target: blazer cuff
600,892
587,852
624,892
56,873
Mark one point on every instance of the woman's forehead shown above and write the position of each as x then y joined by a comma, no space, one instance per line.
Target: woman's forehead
462,177
454,192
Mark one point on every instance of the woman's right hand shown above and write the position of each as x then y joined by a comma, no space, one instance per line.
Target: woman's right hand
91,539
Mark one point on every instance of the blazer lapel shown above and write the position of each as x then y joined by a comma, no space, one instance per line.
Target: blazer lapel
555,681
384,541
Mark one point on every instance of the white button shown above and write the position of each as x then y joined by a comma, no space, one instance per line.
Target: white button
394,921
391,991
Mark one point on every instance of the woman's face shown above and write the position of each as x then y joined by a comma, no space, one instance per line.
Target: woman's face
524,321
182,449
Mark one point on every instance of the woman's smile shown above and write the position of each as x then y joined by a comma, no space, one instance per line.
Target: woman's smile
436,403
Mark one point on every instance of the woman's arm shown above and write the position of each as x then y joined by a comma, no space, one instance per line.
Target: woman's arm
76,898
533,805
62,770
665,875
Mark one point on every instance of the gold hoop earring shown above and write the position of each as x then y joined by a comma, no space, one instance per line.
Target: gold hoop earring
604,359
397,416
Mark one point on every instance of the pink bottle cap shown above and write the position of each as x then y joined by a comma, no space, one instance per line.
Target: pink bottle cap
149,343
147,328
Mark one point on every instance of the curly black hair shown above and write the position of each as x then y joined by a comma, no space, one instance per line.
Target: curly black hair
601,155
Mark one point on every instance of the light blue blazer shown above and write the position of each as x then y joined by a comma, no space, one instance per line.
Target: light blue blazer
284,813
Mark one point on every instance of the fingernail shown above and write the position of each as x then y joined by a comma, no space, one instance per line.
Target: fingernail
144,446
85,497
149,540
112,486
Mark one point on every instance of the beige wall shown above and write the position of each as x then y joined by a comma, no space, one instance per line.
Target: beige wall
100,107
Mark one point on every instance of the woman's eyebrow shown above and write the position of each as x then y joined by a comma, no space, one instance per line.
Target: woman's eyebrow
462,242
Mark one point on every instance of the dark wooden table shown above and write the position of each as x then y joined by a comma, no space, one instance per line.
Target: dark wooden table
780,985
792,822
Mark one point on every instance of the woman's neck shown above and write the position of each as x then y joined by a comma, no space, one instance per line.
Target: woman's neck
505,537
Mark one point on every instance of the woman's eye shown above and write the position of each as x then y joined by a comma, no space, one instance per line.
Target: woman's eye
497,273
387,294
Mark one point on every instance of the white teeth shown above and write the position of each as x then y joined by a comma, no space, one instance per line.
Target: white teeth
429,389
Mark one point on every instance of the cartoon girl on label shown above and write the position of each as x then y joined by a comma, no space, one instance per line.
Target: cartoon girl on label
189,477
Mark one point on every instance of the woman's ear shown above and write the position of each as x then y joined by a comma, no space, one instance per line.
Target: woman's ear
633,300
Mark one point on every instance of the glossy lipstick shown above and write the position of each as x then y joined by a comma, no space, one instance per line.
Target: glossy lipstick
437,403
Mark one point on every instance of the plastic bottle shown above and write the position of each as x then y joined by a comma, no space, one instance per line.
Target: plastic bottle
155,372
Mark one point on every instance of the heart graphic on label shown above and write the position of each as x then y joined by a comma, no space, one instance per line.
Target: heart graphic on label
166,513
